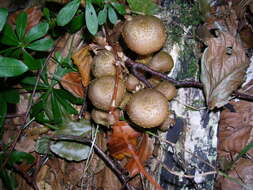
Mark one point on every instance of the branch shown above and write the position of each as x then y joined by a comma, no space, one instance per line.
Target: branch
136,67
124,180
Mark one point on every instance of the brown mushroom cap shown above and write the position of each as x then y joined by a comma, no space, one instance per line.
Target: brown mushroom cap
167,89
148,108
132,82
101,91
144,34
161,62
103,64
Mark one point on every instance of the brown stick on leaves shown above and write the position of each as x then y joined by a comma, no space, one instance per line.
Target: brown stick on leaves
136,67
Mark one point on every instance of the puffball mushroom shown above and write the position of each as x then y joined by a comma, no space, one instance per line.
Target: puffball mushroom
101,91
103,64
148,108
161,62
144,34
167,89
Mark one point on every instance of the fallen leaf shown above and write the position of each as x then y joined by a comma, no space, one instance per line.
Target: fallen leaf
223,67
72,82
144,152
118,148
83,60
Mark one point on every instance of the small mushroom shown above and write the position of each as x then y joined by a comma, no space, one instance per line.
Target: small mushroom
148,108
132,83
103,64
101,91
144,34
162,62
167,89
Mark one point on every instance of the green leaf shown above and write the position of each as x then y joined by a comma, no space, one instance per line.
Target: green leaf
31,81
77,23
3,17
68,96
65,104
67,13
119,7
42,145
37,32
112,15
17,157
91,18
56,110
44,44
21,23
11,96
102,16
10,67
3,111
244,151
8,178
72,150
9,37
32,63
46,13
147,7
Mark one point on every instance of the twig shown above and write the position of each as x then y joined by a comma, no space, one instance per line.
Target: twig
178,84
185,175
99,152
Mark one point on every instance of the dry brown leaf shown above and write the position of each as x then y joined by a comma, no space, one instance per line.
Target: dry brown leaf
72,82
243,171
118,148
144,152
83,60
223,67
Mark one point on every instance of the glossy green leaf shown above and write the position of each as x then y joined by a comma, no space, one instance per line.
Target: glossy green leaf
72,150
45,44
3,110
65,104
32,63
119,7
112,15
10,67
76,24
9,37
37,32
17,157
56,110
68,96
31,81
8,178
3,17
91,18
46,13
21,24
42,145
11,96
147,7
102,16
67,12
244,151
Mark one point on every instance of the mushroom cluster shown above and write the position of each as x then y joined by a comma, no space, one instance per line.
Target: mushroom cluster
145,107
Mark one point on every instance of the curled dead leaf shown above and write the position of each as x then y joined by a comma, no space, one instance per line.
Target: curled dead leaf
223,67
144,152
72,82
83,60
